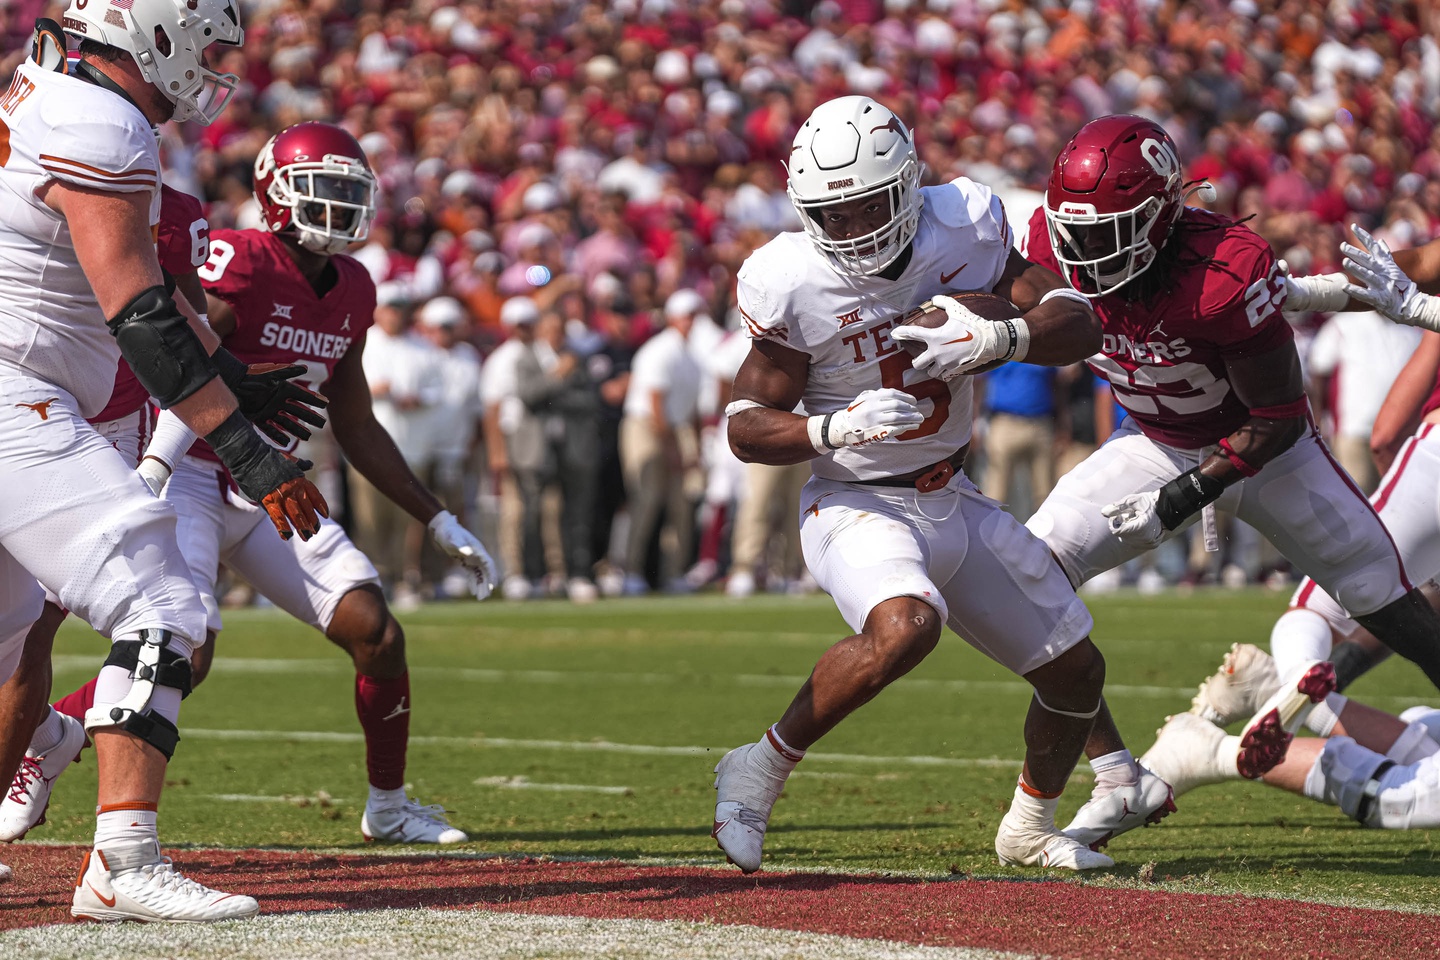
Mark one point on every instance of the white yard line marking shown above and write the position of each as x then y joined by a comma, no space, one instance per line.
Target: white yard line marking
525,783
586,746
302,800
590,677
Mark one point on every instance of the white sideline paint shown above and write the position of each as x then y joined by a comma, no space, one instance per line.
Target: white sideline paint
446,934
585,746
299,799
525,783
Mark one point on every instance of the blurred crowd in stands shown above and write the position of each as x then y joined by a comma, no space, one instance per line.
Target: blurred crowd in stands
569,189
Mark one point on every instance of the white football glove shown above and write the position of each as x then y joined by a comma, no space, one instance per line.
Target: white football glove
963,343
1385,286
873,416
1324,292
154,472
464,547
1133,520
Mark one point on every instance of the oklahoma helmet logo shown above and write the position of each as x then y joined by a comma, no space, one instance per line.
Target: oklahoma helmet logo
1161,157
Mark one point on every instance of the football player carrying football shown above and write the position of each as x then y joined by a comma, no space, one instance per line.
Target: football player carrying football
890,526
1198,354
288,291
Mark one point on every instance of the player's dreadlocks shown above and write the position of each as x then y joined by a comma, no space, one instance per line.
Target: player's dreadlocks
1178,253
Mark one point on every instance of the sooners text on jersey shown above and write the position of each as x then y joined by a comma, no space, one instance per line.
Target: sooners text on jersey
183,242
278,316
1166,357
790,294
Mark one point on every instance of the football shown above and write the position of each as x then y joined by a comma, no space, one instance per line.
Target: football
982,303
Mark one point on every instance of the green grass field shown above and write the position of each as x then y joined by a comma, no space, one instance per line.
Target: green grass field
553,729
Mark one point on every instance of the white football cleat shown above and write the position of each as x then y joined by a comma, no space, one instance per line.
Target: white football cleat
1121,809
1245,680
5,873
131,881
1189,752
1023,844
410,823
743,800
25,804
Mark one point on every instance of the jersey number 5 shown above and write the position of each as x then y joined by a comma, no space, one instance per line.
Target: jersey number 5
892,374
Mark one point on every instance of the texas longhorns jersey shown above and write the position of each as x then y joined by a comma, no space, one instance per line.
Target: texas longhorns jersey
791,294
58,127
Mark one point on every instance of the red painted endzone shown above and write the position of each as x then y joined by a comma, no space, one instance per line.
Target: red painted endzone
1057,919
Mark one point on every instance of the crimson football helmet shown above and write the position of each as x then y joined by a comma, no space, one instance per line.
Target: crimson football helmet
313,178
1114,193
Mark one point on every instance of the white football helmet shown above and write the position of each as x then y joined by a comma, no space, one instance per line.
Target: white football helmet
855,147
167,41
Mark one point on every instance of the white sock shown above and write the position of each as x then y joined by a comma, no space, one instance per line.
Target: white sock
121,825
774,756
1326,714
1115,769
1413,745
385,799
1298,637
1227,756
1037,811
48,735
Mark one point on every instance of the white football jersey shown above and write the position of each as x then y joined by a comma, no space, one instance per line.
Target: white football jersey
59,127
791,293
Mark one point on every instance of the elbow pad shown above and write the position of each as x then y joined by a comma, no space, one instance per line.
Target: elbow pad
157,342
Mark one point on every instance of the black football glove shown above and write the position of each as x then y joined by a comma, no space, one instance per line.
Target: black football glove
279,408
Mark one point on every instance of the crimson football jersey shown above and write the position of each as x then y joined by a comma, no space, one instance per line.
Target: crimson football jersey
183,241
278,317
1166,357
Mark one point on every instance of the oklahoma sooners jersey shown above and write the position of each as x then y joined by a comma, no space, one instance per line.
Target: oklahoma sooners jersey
791,293
183,243
1166,357
57,127
278,316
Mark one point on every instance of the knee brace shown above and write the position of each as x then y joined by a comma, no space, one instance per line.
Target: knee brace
1342,775
1367,593
151,661
1413,745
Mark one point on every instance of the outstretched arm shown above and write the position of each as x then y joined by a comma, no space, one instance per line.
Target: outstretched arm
1400,414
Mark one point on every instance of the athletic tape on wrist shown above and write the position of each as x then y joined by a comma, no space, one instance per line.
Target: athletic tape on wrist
1237,461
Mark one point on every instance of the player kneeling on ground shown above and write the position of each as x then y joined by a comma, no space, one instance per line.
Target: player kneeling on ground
891,526
317,193
1381,770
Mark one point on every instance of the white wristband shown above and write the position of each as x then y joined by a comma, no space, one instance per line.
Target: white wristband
170,440
1426,312
815,426
740,406
1022,339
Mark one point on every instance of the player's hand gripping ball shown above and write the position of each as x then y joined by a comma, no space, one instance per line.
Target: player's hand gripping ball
956,335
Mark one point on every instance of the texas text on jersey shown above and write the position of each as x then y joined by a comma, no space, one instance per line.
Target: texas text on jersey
279,318
790,293
1219,296
183,243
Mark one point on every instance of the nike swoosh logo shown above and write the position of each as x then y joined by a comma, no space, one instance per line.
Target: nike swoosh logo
108,901
968,336
947,277
719,825
853,406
